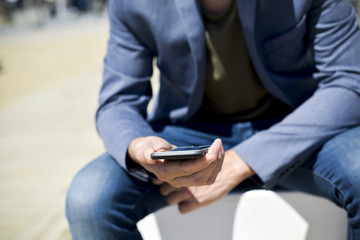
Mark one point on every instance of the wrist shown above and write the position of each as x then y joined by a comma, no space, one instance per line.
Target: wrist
240,167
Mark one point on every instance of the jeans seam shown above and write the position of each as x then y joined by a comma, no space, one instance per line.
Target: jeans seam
330,182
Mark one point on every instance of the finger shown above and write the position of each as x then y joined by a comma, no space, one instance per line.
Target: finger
157,181
218,167
147,155
219,163
157,147
191,166
179,196
168,170
197,179
188,206
214,173
215,147
139,149
208,175
167,189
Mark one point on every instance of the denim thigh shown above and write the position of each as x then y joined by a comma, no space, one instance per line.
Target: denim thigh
334,173
104,202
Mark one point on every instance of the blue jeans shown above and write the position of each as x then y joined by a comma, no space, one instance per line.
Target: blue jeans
104,202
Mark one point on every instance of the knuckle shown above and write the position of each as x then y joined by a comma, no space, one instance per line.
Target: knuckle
162,176
182,210
183,168
207,182
163,191
176,184
184,193
199,181
180,183
210,181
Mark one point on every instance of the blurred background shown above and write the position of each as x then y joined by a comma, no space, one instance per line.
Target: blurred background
51,54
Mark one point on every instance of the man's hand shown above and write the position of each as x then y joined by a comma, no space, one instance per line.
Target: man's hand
178,173
140,149
233,172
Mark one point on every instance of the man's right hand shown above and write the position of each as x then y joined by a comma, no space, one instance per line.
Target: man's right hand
180,173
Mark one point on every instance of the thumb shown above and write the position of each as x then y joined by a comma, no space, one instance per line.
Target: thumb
147,155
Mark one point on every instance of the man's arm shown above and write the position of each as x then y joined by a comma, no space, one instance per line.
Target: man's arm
126,89
121,117
334,107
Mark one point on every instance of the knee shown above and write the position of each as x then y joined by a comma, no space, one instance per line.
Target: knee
352,202
88,197
76,206
99,196
345,148
82,203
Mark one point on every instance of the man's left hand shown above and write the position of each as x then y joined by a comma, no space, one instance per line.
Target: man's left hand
233,172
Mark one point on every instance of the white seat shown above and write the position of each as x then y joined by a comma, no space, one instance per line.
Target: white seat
259,214
262,214
148,228
221,219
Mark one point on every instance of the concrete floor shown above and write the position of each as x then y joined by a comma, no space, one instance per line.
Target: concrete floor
49,82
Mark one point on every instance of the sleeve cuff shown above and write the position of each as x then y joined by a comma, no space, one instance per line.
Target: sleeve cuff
138,171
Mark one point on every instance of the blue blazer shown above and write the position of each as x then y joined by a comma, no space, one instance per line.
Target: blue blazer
306,53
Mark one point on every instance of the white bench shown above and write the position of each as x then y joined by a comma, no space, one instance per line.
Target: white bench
250,215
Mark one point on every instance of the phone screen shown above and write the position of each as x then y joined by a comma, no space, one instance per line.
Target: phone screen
189,148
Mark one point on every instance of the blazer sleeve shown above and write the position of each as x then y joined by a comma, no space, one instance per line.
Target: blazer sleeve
126,88
332,109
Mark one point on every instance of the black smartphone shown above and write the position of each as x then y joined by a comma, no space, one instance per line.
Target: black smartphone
187,152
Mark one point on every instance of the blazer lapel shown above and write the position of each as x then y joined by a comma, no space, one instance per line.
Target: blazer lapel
190,14
247,14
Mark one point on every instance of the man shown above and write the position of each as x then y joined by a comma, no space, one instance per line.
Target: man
276,83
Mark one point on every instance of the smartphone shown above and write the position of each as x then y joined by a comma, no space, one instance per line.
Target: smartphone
187,152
